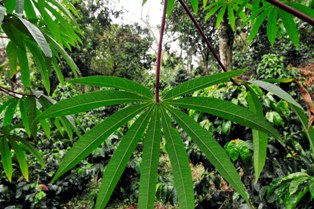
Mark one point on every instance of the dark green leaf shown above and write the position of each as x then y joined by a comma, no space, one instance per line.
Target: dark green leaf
93,138
179,163
28,114
29,9
30,148
228,111
20,156
311,188
38,37
290,26
24,68
6,158
257,24
302,8
272,26
9,113
114,82
200,83
11,52
213,151
119,160
149,166
260,139
89,101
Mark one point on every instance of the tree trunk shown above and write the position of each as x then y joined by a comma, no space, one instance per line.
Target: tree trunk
226,38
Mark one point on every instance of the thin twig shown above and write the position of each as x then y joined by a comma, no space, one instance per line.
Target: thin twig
158,64
12,93
292,11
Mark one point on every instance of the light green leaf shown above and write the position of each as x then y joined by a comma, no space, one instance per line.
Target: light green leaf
67,127
29,9
311,188
93,138
58,5
231,16
28,114
200,83
302,8
114,82
149,166
277,91
257,24
30,148
290,26
194,5
260,139
2,13
179,163
213,151
24,68
57,70
220,15
228,111
46,127
272,26
170,7
38,37
11,52
212,12
20,156
89,101
19,7
65,55
119,160
9,5
6,158
9,113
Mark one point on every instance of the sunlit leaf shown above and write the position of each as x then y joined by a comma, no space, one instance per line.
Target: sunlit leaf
231,17
120,158
220,16
170,6
194,5
10,5
179,163
29,9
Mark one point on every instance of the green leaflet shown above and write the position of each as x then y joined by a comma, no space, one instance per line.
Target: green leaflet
28,114
119,160
11,52
114,82
260,139
277,91
231,17
6,158
93,138
212,12
20,156
257,24
272,26
213,151
194,5
179,163
24,68
89,101
38,37
228,111
9,113
149,166
30,148
10,5
290,26
220,15
302,8
60,7
170,6
200,83
29,9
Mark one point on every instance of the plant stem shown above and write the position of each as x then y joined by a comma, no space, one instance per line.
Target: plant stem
13,93
158,64
292,11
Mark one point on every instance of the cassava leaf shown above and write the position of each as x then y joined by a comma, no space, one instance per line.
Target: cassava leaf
213,151
179,163
228,111
149,166
260,139
6,158
119,160
93,138
89,101
302,8
114,82
200,83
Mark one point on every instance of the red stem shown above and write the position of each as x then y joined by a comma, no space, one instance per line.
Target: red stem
158,64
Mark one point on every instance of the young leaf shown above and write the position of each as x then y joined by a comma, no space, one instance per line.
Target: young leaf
200,83
272,26
290,26
114,82
228,111
30,148
9,113
231,16
6,158
28,114
260,139
119,160
38,37
220,15
20,156
149,166
179,163
277,91
24,68
89,101
213,151
93,138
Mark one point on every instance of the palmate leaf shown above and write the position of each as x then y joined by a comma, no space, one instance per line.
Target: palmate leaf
89,101
119,160
260,139
149,166
93,138
228,111
200,83
213,151
114,82
179,163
